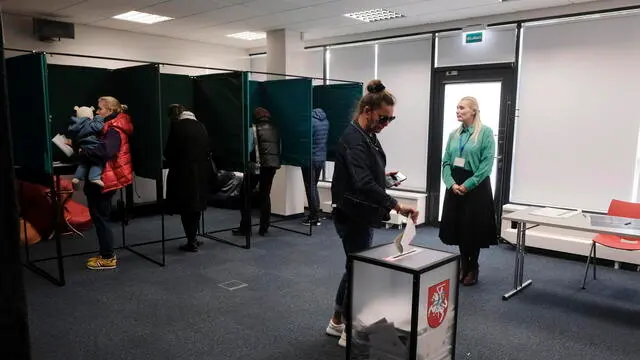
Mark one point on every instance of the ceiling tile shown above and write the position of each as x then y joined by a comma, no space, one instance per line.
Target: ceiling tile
200,21
181,8
36,7
96,10
285,18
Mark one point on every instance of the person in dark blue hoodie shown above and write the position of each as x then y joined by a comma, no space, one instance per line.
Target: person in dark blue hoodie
311,173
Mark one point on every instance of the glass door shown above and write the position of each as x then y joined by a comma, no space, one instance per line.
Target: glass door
488,95
493,87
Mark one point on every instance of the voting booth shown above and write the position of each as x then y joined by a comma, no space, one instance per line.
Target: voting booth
403,303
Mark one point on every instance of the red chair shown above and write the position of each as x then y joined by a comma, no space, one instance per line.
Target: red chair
620,209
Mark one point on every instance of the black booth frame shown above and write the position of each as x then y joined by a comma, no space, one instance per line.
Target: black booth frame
415,304
55,190
247,201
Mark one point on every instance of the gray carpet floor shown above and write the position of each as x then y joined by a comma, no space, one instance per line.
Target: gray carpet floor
142,311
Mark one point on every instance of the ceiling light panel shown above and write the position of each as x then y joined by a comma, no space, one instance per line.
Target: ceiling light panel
374,15
143,18
248,35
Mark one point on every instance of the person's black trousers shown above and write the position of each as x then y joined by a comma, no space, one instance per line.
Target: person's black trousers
99,204
265,179
356,237
311,176
190,222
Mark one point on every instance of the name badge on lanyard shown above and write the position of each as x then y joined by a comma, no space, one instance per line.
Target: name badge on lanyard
460,161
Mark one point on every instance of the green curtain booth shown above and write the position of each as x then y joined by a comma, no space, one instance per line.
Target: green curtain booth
289,102
220,103
42,98
174,89
30,128
339,102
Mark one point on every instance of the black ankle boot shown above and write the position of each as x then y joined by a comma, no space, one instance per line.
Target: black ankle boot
464,268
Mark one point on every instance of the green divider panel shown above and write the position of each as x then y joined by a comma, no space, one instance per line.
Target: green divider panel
220,104
71,86
29,111
289,102
174,89
339,102
138,87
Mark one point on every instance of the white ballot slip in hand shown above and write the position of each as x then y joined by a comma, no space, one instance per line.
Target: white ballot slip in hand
60,141
402,242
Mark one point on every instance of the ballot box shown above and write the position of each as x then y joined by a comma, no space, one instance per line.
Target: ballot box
403,303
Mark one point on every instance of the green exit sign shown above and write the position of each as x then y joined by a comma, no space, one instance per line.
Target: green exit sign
473,37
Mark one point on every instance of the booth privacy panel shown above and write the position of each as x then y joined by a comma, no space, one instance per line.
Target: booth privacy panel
219,104
174,89
71,86
138,87
289,102
339,102
29,110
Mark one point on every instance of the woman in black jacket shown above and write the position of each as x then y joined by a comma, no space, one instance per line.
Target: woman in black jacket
358,187
187,158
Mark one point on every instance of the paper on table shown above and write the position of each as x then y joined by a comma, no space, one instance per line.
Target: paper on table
553,212
402,242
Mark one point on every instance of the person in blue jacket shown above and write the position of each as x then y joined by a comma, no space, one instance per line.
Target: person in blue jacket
311,173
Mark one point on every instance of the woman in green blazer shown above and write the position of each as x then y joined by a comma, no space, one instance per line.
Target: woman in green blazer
468,213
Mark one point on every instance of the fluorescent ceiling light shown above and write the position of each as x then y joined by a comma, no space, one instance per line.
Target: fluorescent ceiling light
141,17
248,35
374,15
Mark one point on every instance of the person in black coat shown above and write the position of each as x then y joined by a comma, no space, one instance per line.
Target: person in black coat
265,160
187,158
358,188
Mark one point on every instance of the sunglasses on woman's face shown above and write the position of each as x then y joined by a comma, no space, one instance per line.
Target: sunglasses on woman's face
385,119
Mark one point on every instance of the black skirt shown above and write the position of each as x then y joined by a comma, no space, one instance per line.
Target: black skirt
469,220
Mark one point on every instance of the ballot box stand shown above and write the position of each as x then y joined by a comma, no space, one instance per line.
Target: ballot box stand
402,306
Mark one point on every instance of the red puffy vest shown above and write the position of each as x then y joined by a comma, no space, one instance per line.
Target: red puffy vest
118,171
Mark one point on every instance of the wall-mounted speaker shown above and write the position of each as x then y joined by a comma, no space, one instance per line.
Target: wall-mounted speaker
47,30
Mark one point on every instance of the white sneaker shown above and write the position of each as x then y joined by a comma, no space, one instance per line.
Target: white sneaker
334,330
343,340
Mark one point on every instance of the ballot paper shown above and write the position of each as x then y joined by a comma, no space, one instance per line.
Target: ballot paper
402,242
61,142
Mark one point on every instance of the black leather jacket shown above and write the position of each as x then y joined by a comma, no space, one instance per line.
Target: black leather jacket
358,185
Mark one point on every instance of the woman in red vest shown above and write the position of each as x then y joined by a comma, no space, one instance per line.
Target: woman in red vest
114,152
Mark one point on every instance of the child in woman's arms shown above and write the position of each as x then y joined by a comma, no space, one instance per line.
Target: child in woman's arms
85,130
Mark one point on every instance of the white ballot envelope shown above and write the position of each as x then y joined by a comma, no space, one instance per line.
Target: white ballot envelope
60,141
402,241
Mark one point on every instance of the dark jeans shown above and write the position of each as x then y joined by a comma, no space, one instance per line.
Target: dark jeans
190,223
265,179
356,237
311,176
99,204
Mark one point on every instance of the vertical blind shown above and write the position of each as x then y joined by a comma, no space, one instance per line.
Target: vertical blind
576,139
405,69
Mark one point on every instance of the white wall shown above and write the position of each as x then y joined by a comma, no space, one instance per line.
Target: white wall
498,45
123,44
97,41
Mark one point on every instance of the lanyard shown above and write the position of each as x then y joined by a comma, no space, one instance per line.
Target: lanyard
461,145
